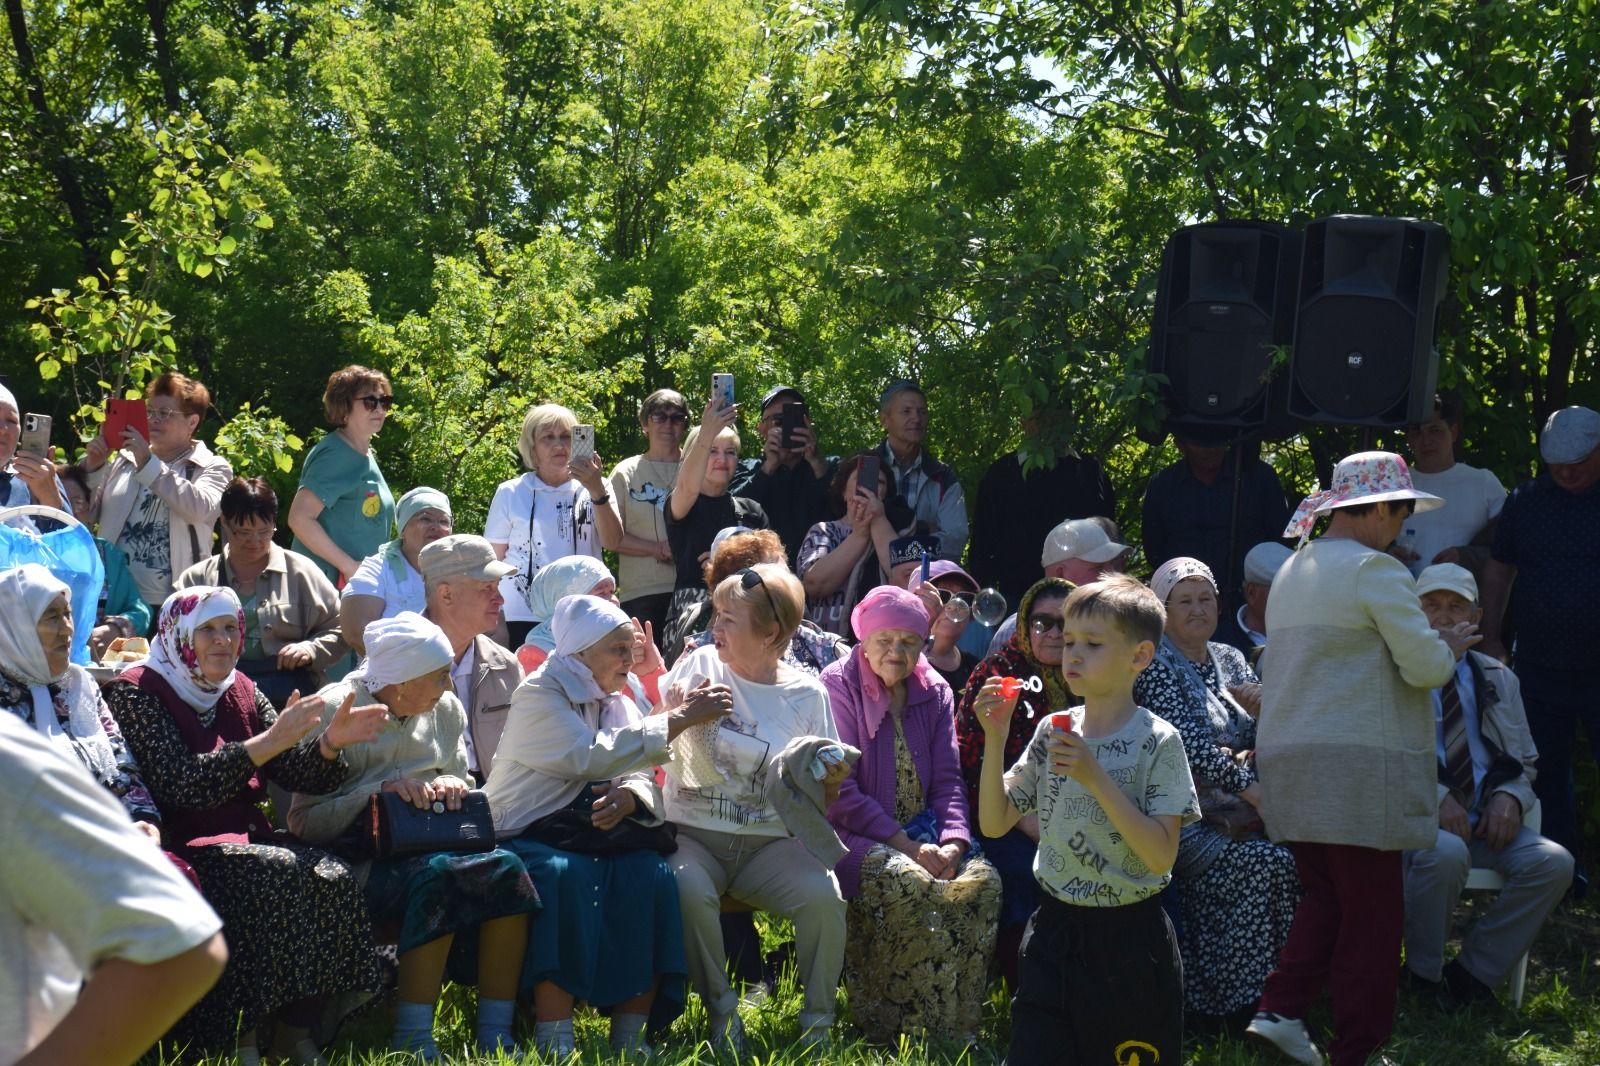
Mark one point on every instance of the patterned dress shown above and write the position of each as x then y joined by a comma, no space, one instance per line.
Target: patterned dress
292,914
1237,897
917,954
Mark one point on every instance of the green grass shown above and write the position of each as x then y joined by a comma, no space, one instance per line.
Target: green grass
1558,1024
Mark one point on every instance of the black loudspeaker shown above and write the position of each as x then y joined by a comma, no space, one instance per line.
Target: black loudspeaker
1224,303
1363,339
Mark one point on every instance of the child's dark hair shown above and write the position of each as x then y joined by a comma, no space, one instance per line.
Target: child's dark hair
1129,605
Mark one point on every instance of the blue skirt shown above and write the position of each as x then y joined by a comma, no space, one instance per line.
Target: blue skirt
610,925
428,896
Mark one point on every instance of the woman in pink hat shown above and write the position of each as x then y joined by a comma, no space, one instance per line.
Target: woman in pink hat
1345,752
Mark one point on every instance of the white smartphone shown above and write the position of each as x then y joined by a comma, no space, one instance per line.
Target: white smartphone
722,391
35,438
582,441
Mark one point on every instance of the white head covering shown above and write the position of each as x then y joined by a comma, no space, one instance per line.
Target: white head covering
401,648
582,621
172,655
7,399
27,591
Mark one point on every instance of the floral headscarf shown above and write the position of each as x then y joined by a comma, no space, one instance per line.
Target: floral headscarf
1365,477
173,655
1055,685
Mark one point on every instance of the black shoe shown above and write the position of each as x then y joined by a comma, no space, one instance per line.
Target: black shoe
1418,985
1459,990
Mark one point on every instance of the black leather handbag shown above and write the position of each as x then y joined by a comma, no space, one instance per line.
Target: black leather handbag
397,830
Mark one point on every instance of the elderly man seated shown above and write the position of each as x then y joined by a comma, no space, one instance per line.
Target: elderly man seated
463,582
1261,565
1486,770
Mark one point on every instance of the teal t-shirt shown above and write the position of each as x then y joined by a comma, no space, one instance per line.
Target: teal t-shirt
357,508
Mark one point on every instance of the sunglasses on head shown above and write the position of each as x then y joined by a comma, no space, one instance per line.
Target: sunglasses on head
372,403
749,579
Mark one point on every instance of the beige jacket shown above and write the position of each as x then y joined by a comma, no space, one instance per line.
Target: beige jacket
495,676
1503,726
294,603
1346,743
191,487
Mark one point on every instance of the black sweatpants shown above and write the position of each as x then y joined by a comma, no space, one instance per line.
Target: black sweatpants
1098,986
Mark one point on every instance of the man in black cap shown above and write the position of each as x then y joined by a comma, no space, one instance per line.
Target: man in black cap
791,483
928,487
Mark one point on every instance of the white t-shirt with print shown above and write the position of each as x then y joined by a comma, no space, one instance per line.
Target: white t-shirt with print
1082,859
539,524
717,777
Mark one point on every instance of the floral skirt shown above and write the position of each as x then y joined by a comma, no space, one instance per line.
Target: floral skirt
1236,917
426,897
917,955
295,925
609,927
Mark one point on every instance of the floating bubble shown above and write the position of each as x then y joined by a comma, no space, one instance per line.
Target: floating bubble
990,607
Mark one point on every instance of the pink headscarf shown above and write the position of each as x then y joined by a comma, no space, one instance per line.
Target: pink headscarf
1169,573
888,607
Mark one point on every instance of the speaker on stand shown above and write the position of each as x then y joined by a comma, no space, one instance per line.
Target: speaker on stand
1364,333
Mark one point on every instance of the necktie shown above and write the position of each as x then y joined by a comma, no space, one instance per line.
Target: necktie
1457,755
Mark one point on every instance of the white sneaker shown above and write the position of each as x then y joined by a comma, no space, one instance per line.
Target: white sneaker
1286,1036
727,1034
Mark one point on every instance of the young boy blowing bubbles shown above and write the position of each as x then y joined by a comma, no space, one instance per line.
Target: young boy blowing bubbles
1099,978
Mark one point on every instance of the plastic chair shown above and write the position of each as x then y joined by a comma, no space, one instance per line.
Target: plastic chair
1481,879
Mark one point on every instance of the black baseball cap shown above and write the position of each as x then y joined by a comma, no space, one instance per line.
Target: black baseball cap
779,390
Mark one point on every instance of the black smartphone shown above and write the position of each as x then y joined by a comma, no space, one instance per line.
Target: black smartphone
792,418
867,474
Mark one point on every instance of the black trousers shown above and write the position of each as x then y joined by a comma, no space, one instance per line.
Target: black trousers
1098,986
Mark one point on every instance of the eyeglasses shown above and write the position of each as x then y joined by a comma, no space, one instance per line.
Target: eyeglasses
749,579
1041,624
957,605
161,414
662,418
252,536
372,403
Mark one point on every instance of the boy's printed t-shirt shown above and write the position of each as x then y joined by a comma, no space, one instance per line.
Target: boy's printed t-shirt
1082,859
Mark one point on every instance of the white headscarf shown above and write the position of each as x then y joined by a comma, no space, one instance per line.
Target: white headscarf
580,622
27,591
173,656
7,399
401,648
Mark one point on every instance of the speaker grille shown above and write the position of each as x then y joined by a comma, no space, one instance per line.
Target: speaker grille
1354,357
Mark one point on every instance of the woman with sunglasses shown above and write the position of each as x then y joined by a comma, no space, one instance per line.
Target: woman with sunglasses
159,497
955,590
291,612
731,839
639,484
1033,657
343,511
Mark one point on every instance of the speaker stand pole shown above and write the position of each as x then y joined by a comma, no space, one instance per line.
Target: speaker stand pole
1229,578
1369,437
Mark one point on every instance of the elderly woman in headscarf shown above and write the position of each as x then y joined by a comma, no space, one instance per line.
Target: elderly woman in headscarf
574,797
921,912
1033,656
40,685
390,580
421,755
208,742
583,575
1237,890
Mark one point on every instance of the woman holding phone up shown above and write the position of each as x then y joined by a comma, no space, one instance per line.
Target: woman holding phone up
551,511
842,560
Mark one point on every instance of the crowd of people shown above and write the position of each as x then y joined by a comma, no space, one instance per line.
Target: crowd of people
1190,804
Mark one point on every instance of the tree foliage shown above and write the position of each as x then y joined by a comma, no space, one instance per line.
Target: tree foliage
506,201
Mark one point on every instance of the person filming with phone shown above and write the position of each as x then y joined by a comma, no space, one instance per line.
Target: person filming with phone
792,479
160,498
26,473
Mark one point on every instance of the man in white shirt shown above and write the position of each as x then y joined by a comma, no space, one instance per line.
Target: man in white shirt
1462,530
1486,772
464,599
86,900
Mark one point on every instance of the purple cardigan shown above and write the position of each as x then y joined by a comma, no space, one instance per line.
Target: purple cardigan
863,812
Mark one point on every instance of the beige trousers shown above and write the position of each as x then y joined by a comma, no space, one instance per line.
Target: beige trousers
775,875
